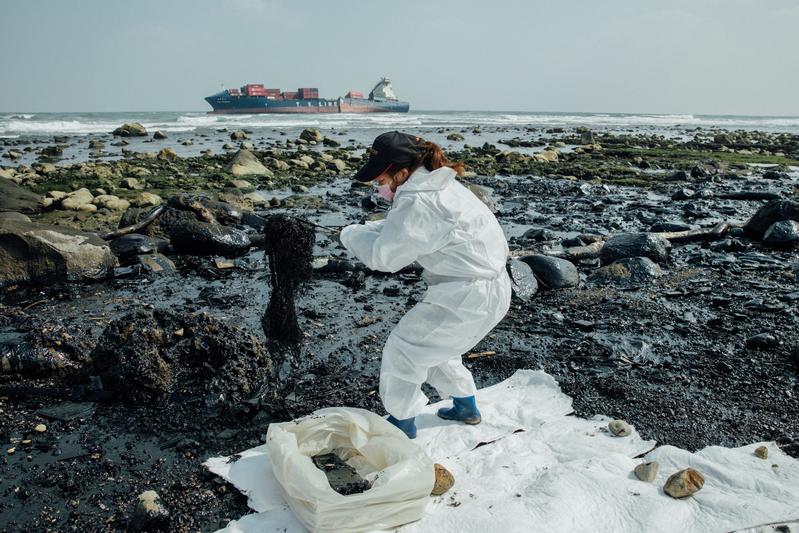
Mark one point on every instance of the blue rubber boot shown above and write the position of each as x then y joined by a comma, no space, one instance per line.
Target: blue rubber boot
408,426
463,409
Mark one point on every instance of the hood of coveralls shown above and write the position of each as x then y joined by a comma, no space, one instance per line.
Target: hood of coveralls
426,180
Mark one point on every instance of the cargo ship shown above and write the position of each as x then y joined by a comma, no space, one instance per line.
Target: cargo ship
255,98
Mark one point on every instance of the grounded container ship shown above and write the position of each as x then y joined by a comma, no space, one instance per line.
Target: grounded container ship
255,98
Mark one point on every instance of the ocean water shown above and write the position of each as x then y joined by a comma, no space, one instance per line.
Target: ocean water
23,125
212,132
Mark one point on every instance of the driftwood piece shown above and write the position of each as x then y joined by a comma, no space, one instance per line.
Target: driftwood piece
700,234
592,251
574,253
749,195
143,223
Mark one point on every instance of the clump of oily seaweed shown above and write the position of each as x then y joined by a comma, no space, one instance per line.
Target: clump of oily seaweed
157,356
288,243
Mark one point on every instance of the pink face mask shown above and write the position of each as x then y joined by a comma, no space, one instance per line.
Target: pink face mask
385,192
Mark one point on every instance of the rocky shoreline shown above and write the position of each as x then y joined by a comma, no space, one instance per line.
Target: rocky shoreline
657,281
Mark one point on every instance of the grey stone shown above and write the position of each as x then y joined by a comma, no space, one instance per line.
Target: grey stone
768,214
782,234
76,200
167,154
311,134
647,471
762,341
485,196
337,164
620,428
627,245
150,513
134,244
144,199
523,282
669,226
156,263
244,163
553,272
629,271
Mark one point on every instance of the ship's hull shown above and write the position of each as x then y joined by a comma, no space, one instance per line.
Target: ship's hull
223,103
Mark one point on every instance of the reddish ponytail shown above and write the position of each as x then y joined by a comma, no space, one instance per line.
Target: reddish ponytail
433,158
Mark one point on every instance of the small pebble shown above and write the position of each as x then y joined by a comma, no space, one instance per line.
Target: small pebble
762,452
647,471
684,483
40,428
150,513
11,451
620,428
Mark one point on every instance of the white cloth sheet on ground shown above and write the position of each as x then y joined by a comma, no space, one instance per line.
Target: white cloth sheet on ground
531,467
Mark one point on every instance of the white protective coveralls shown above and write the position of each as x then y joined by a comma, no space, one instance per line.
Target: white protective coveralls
438,222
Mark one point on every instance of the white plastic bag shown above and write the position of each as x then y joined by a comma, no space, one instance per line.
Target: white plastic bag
402,474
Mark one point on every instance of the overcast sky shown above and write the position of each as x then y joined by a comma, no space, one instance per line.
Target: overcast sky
637,56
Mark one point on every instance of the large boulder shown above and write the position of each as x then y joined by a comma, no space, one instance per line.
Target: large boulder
771,212
244,163
15,198
626,245
47,254
629,271
553,272
203,238
134,129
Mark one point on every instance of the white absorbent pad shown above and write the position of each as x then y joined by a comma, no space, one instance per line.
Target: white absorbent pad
530,466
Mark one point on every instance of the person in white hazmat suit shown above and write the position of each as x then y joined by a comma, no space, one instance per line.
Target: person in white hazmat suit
442,225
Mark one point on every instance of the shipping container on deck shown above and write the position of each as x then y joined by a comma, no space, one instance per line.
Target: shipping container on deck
307,93
291,95
354,94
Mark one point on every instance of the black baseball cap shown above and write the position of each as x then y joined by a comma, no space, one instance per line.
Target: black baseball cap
391,148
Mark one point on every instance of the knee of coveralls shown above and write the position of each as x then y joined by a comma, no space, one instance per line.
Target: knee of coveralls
401,378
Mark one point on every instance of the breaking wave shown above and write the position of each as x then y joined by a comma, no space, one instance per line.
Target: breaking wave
41,124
